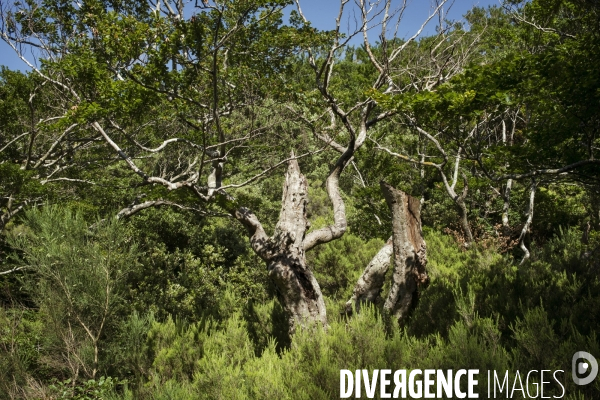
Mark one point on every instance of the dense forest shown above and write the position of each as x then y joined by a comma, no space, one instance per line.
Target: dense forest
217,200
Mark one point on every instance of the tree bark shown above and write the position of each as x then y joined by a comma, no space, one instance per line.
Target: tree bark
409,251
464,221
297,287
369,285
284,252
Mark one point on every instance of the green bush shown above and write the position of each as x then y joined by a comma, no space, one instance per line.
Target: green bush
101,389
480,311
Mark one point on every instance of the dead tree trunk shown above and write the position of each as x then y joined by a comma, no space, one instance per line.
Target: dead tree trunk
409,251
284,252
369,285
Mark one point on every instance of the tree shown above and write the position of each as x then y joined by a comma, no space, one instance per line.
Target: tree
32,151
187,116
114,63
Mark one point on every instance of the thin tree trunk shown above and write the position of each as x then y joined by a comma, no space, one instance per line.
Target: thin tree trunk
528,222
506,205
95,369
369,285
409,251
464,221
459,200
509,182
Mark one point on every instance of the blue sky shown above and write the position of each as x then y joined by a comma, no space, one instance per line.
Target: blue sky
322,14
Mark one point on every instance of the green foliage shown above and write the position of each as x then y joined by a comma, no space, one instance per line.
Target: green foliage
338,264
20,335
478,312
175,348
101,389
130,347
76,276
173,304
479,334
188,264
310,368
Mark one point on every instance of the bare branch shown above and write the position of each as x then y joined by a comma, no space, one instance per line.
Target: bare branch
44,181
54,144
14,140
539,172
399,49
121,153
10,271
135,208
165,143
406,158
541,28
271,168
149,179
338,228
10,42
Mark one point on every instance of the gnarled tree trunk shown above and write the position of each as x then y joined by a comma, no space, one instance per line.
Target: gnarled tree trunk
297,287
409,251
284,252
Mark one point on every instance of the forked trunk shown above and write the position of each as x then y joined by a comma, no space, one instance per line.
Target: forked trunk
409,252
284,252
297,287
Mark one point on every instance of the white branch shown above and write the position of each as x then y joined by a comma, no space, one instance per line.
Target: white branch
13,270
14,140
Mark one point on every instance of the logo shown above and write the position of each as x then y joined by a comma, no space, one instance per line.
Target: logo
581,368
